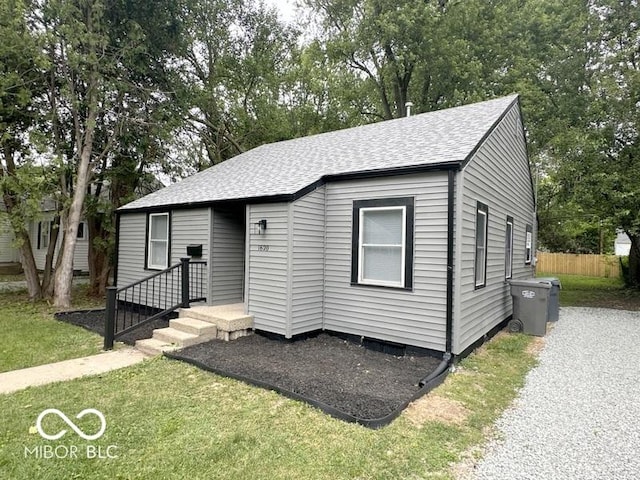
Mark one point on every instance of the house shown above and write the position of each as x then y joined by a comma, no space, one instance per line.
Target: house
404,231
9,255
622,244
40,234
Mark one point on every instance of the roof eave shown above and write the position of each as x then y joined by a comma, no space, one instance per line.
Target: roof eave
290,197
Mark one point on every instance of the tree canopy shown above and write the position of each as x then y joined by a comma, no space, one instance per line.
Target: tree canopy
112,95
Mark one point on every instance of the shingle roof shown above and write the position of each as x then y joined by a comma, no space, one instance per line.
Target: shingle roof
284,168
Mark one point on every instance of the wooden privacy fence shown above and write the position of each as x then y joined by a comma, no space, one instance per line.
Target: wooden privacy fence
607,266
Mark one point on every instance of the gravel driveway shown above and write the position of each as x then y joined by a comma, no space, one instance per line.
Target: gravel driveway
578,416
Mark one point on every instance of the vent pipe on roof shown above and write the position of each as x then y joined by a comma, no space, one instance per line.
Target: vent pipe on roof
408,106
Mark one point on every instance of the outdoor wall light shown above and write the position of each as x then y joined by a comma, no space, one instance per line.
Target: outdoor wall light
262,226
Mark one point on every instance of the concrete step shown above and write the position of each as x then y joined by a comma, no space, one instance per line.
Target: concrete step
179,338
193,326
153,347
227,318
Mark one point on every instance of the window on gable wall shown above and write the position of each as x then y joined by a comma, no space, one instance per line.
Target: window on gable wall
482,223
158,241
382,243
508,249
528,246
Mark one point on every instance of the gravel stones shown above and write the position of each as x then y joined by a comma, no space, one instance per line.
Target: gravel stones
578,415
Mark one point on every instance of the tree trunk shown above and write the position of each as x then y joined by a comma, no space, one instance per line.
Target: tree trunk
64,273
99,266
20,233
29,264
47,274
634,261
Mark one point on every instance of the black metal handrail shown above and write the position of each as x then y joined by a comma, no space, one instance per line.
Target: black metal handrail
132,306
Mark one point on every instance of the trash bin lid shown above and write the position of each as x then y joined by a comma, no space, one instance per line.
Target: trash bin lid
531,282
554,281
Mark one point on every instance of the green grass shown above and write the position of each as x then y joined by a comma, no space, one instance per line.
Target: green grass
170,420
31,336
12,278
581,291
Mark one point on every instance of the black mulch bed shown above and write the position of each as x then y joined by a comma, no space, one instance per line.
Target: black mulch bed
94,320
363,383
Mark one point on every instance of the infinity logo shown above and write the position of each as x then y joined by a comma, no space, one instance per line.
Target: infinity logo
61,433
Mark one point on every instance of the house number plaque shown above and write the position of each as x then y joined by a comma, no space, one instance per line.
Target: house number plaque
263,248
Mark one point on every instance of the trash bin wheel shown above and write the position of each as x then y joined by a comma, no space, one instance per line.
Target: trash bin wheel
515,326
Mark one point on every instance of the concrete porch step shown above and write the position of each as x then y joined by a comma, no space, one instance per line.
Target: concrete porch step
193,326
153,347
227,318
180,338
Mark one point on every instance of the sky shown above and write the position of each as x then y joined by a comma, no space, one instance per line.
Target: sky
286,8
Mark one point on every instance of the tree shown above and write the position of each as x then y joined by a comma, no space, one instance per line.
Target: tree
136,139
21,185
233,67
603,168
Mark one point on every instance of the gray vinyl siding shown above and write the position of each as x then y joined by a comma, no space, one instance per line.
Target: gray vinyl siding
416,317
187,227
267,291
227,259
308,263
498,176
131,248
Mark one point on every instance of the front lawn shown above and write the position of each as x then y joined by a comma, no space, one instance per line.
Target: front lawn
169,420
581,291
31,336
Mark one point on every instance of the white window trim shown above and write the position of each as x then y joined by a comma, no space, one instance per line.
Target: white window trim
150,265
403,247
528,246
508,272
483,280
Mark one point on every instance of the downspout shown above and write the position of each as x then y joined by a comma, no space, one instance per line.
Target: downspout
442,369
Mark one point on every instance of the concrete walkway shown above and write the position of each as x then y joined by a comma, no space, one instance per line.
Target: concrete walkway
69,369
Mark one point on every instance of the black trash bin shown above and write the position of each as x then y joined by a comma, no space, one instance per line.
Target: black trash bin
554,297
530,306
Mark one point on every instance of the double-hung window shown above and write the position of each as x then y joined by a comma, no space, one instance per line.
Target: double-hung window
482,229
82,231
158,241
44,233
382,244
508,249
528,245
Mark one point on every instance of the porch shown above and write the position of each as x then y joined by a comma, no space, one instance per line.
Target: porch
197,325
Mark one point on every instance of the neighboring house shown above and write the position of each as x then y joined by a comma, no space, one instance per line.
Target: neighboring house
404,231
40,234
622,244
8,252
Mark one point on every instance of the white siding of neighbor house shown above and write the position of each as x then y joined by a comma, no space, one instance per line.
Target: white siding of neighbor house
8,251
187,227
80,256
268,264
416,317
498,176
307,275
227,258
